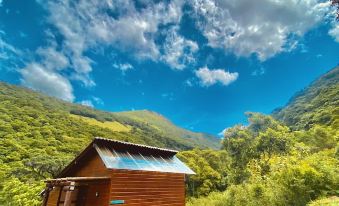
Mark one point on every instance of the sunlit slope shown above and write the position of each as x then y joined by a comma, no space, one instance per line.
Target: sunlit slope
165,126
316,104
64,116
111,125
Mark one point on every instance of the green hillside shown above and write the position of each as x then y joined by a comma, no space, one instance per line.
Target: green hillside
166,127
150,129
317,104
289,160
39,135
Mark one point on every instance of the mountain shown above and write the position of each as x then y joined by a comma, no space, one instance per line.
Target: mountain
293,161
316,104
137,126
163,125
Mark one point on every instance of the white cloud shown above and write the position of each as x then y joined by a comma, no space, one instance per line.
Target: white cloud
123,67
88,25
90,102
334,32
97,100
209,77
87,103
119,24
47,81
53,59
178,51
262,27
8,53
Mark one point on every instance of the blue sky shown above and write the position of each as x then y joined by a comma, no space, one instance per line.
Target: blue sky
201,63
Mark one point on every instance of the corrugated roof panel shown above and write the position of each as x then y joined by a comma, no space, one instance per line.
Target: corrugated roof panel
125,160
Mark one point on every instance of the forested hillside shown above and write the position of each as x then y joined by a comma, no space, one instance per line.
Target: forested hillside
293,162
317,104
165,126
39,135
289,158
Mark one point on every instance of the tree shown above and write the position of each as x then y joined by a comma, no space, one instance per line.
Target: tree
211,169
272,142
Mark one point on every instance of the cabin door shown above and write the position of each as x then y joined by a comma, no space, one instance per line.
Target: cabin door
81,196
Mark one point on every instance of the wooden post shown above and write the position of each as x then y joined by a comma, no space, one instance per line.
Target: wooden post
68,197
46,195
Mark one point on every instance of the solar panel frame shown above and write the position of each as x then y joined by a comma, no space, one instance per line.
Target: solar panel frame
125,160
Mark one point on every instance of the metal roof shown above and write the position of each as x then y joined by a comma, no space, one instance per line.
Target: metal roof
124,155
133,148
136,161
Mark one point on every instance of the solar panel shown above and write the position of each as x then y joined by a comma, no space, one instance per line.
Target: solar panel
124,160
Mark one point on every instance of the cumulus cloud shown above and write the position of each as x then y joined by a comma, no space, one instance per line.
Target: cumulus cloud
87,25
150,31
263,27
47,81
44,73
209,77
178,51
119,24
53,59
334,32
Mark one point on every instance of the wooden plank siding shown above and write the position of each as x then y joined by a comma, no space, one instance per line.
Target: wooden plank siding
53,197
92,167
139,188
103,190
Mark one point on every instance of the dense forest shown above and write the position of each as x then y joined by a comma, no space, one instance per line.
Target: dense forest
288,158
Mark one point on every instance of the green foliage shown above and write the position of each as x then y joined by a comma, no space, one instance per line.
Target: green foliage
16,193
40,135
330,201
319,137
291,181
268,163
163,125
210,168
317,104
262,138
271,165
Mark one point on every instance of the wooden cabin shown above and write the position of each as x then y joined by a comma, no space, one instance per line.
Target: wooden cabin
110,172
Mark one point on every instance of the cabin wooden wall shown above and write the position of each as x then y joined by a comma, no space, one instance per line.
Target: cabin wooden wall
136,188
139,188
103,190
92,166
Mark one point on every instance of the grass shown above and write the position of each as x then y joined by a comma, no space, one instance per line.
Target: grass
114,126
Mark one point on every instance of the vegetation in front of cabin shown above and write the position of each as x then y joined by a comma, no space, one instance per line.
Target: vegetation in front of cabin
289,158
